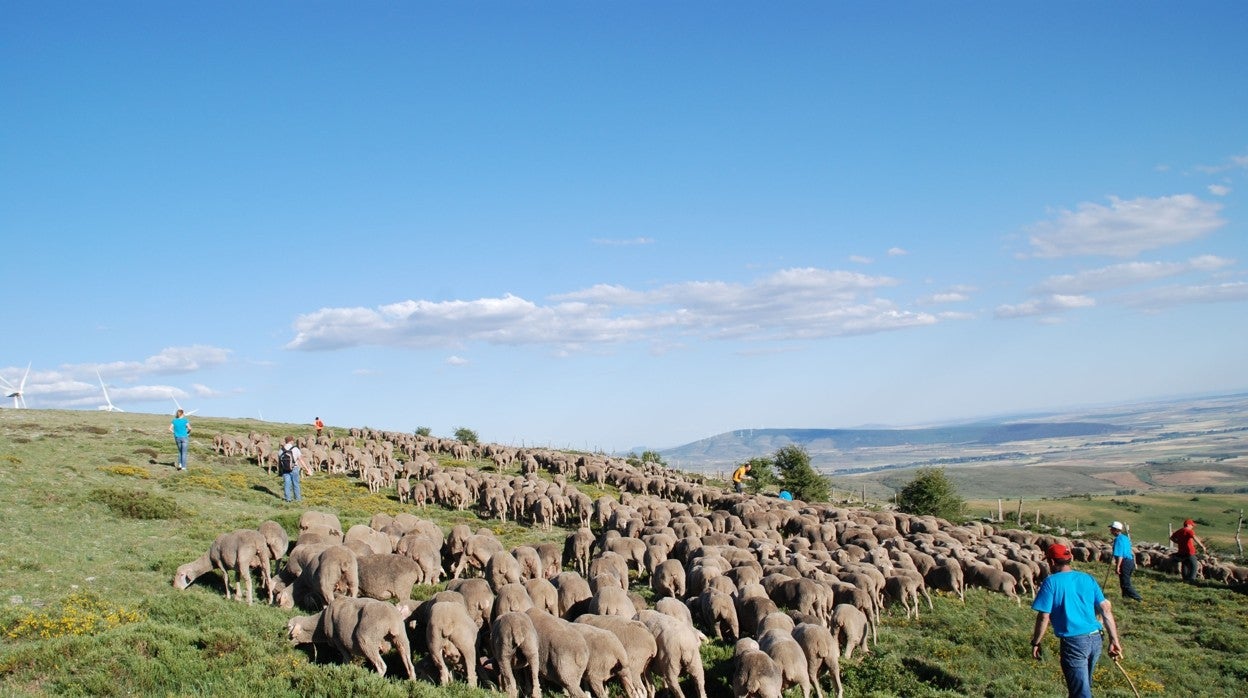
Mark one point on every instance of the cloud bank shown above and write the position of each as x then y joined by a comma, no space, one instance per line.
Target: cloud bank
792,304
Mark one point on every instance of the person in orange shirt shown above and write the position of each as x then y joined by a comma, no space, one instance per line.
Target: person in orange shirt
319,425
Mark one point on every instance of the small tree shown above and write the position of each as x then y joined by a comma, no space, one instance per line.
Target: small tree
423,431
653,457
798,477
931,492
464,435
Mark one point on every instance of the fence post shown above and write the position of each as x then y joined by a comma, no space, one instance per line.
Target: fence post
1239,543
1000,514
1020,511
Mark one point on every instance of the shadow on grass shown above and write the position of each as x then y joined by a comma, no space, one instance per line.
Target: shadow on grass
266,490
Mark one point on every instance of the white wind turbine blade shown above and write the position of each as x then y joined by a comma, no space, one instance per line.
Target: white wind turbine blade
108,406
179,406
18,393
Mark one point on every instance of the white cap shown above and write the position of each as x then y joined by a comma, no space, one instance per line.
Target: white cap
1117,525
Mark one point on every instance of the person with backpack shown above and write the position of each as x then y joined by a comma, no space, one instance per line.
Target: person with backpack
289,464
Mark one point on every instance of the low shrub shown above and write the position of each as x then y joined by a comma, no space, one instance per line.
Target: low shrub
136,504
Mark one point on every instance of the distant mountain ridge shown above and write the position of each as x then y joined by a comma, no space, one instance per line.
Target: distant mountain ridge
733,447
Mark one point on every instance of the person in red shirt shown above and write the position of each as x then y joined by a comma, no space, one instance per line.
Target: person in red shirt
319,425
1186,540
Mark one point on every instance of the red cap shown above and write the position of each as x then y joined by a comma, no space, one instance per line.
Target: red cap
1057,551
1189,522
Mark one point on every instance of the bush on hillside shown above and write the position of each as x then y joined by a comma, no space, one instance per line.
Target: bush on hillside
798,477
464,435
931,493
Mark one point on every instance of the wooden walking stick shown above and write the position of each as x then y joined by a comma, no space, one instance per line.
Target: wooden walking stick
1118,663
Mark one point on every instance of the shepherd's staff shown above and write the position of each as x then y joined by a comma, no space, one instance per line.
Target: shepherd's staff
1118,663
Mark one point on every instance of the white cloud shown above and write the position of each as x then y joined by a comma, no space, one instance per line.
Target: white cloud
1219,189
171,360
456,361
621,242
859,259
1235,162
1047,305
897,252
1120,275
1124,228
945,297
789,304
1157,298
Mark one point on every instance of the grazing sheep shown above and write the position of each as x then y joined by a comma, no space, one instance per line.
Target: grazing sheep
821,650
789,656
388,576
510,598
513,644
607,658
678,652
427,554
309,519
451,636
502,569
357,628
478,597
544,594
563,654
636,639
849,627
754,674
240,551
278,541
717,613
611,600
377,541
668,579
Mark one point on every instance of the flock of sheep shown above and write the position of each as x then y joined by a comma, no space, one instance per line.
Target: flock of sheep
794,586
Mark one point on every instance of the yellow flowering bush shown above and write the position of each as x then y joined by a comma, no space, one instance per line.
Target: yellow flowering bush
81,613
127,471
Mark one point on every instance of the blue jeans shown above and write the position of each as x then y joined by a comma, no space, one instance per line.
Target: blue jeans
290,481
1079,655
183,443
1124,579
1188,565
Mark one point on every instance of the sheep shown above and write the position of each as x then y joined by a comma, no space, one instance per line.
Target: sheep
668,579
633,635
563,654
502,569
717,613
779,644
310,519
451,634
678,652
849,627
821,650
513,642
240,551
576,549
607,658
388,576
755,674
425,552
357,628
905,588
278,540
377,541
478,597
510,598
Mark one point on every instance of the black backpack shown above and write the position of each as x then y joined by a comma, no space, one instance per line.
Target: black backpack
285,460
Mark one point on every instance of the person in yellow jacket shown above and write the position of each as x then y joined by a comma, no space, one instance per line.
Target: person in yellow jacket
739,475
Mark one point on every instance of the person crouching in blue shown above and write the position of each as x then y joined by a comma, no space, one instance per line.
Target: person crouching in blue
1071,600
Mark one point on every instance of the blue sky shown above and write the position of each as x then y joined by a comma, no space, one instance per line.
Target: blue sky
609,225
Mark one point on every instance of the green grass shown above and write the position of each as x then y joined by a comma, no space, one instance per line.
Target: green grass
96,520
1147,515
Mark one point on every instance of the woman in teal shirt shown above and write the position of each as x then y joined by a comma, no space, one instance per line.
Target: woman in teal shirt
180,427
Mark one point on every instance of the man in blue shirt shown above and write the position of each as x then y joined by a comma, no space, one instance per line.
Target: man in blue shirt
1071,600
1124,561
180,427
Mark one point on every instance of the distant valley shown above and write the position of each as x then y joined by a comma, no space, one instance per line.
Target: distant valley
1195,443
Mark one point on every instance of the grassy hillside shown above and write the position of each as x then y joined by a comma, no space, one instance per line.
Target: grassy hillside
96,520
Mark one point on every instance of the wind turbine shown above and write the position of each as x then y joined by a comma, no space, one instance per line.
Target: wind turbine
179,406
19,399
109,406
